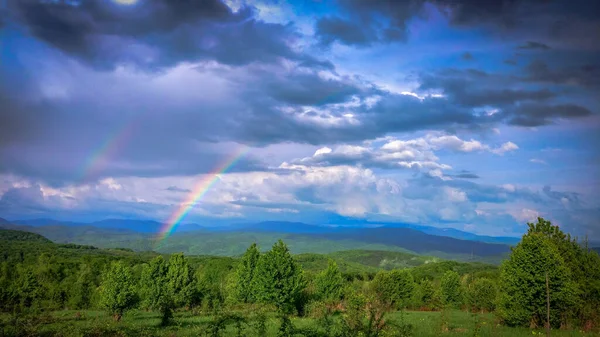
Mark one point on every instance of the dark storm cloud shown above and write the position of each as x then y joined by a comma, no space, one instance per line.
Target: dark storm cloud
539,114
534,45
585,75
158,33
333,29
523,106
467,56
363,25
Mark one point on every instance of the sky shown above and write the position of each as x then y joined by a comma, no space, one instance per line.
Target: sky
466,114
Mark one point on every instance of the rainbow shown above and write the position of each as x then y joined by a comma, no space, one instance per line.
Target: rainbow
202,186
99,158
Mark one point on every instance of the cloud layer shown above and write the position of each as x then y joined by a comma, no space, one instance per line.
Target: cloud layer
435,112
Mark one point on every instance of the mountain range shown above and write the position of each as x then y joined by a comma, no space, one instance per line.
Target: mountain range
301,237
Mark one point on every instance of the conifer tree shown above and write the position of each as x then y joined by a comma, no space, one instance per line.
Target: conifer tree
279,280
244,274
329,283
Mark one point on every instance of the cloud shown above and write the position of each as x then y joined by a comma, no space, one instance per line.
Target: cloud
370,22
463,174
178,189
467,56
417,154
538,161
157,33
534,45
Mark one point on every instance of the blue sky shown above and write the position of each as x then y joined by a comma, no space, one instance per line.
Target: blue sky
475,115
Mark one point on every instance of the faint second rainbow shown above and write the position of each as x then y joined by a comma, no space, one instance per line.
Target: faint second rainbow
199,190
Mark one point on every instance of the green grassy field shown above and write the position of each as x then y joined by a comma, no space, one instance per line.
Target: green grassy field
140,323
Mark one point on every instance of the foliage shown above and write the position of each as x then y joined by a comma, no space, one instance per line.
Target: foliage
155,289
279,280
244,274
181,282
395,287
450,288
481,295
329,283
118,290
523,281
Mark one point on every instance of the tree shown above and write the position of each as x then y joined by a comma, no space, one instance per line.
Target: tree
279,280
523,283
118,290
481,295
156,291
450,288
244,274
181,281
83,289
425,294
329,283
395,287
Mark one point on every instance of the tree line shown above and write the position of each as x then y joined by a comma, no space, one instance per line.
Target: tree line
549,278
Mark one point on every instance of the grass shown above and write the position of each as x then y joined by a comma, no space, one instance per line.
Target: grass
140,323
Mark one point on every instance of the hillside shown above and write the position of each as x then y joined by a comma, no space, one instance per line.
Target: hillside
17,235
233,243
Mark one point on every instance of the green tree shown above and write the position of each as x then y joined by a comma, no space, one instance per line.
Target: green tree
279,280
157,293
118,290
450,288
481,295
83,289
244,274
523,283
395,287
181,281
426,295
329,284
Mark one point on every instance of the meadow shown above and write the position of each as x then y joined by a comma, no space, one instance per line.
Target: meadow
69,323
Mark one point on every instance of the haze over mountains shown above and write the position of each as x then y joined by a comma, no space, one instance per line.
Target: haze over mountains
303,238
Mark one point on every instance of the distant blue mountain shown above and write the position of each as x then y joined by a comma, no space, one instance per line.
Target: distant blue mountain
140,226
151,226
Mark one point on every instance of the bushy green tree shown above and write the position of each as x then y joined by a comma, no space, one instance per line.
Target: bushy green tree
426,295
181,281
155,289
84,287
395,287
279,280
329,284
450,288
523,283
118,290
481,295
583,266
244,275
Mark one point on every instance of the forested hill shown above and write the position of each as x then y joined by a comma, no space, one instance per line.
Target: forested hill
30,245
16,235
234,243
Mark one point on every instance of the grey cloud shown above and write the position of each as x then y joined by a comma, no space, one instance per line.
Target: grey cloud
177,189
158,33
585,75
537,114
467,56
331,29
463,174
510,62
534,45
363,26
518,106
